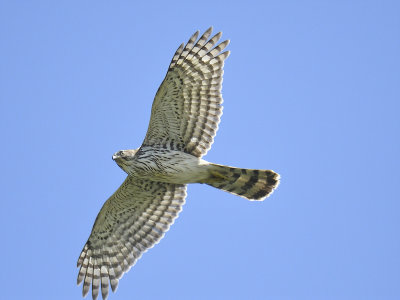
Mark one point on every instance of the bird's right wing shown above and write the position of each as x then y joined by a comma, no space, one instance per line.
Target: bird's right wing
131,221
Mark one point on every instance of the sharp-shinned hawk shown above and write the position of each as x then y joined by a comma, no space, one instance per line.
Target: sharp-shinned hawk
184,120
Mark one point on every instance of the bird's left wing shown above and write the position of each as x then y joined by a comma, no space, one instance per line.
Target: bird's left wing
188,105
131,221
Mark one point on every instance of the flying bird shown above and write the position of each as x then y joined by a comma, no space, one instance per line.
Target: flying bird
184,120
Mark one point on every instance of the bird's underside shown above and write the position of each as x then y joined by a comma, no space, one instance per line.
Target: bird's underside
184,119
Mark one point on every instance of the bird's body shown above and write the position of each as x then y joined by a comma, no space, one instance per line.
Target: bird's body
184,120
163,165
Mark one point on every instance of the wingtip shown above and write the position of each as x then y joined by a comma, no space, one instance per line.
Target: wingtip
218,35
208,31
195,35
104,293
85,291
94,295
114,284
226,54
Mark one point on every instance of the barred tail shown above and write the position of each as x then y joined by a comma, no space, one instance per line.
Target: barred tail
248,183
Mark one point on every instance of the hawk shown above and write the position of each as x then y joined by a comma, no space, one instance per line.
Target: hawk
184,120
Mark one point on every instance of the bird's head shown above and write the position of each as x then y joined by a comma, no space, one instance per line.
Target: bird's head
123,158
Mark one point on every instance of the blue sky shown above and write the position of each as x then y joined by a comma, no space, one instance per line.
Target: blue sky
311,90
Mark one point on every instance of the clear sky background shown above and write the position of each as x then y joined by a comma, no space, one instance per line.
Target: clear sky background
311,90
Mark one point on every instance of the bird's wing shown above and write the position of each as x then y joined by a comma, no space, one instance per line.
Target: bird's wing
131,221
187,107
